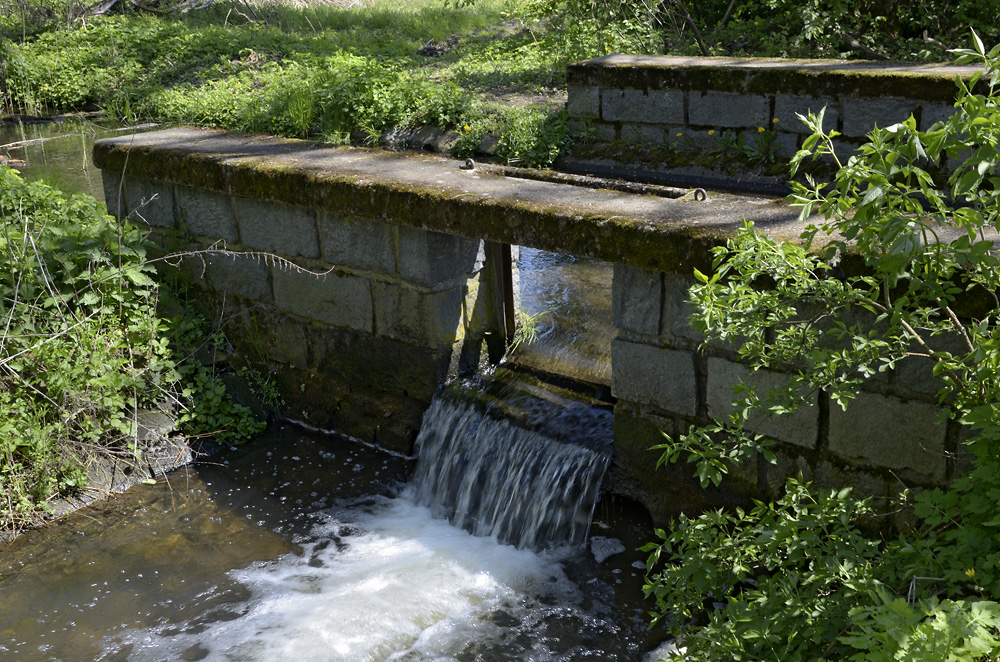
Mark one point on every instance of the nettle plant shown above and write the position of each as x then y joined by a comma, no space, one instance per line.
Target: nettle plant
83,350
902,266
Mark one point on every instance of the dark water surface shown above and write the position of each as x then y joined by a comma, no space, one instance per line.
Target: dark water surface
58,152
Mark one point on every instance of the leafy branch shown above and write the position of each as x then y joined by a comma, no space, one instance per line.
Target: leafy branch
902,263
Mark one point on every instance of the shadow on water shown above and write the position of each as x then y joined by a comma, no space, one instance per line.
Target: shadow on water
306,547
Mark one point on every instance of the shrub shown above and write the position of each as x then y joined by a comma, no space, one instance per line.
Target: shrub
795,579
82,349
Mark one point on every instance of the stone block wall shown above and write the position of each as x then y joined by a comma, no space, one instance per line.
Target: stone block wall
890,437
661,100
362,275
365,318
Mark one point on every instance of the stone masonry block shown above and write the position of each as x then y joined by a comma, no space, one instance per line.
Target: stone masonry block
647,374
800,428
787,106
636,299
277,228
642,134
150,202
207,214
915,373
862,115
286,339
930,113
962,460
686,138
114,193
425,319
382,364
604,132
828,476
338,299
728,111
786,145
192,265
241,275
677,320
890,433
583,102
786,465
429,258
357,243
578,128
642,106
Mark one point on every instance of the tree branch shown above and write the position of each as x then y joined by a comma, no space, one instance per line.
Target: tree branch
694,26
725,17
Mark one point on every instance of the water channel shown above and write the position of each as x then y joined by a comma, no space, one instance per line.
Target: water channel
302,546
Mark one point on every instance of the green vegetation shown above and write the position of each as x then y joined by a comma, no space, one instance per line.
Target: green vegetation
349,71
797,579
771,28
83,351
327,73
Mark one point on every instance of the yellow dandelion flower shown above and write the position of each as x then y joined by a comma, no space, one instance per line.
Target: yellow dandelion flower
711,132
774,121
971,572
679,134
467,127
760,129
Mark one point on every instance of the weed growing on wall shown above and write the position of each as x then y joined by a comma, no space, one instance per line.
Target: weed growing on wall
796,579
82,348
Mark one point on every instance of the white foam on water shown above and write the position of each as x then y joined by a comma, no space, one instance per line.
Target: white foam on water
386,582
602,548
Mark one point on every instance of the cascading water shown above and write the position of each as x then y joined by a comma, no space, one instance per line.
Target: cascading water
493,478
304,548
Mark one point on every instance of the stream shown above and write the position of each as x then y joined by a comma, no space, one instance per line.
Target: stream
302,546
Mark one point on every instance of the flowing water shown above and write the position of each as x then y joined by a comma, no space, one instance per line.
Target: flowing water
569,301
494,478
307,547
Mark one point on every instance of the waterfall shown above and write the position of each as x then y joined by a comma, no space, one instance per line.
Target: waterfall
533,488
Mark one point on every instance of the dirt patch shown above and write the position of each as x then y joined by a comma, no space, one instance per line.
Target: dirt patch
548,100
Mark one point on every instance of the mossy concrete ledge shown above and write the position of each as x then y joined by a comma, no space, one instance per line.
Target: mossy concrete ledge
434,193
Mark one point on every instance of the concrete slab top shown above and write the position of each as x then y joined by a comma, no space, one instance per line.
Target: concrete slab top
435,193
790,64
766,76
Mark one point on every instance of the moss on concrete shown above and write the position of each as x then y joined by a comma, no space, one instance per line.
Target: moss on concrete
816,78
433,193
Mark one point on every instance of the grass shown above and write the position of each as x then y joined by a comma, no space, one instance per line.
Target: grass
324,71
350,70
